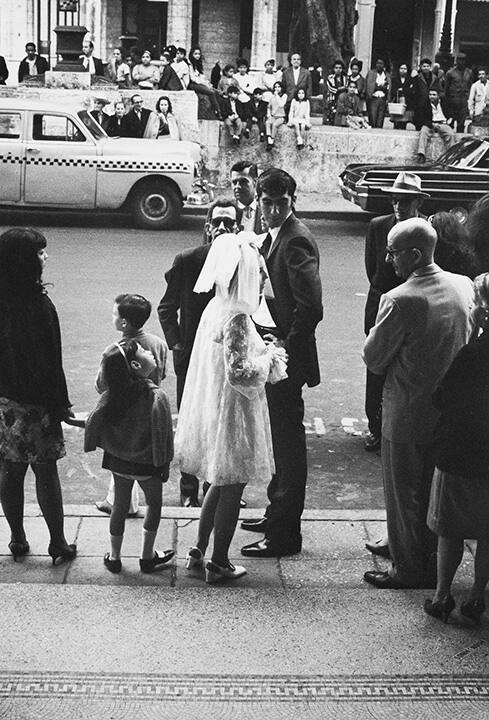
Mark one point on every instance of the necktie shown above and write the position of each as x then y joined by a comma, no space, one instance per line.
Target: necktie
247,211
265,246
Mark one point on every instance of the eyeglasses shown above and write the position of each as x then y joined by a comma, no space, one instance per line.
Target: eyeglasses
228,223
392,252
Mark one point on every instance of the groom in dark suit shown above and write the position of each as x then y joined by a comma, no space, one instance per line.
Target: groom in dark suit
180,310
289,317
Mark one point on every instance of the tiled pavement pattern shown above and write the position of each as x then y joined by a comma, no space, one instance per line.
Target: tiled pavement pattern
299,637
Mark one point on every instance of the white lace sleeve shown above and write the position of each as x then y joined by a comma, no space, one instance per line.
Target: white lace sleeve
246,367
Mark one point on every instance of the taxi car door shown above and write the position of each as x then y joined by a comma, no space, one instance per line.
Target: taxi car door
10,156
60,162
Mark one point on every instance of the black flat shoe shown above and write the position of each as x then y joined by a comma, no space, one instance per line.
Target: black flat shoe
440,609
473,609
383,580
114,566
62,553
376,549
18,548
255,525
149,565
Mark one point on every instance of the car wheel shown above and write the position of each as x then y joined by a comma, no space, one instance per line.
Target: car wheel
155,206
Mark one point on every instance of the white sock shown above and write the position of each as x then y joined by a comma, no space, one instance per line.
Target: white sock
148,544
115,546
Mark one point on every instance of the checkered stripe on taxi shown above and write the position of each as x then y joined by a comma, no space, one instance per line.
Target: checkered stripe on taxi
101,163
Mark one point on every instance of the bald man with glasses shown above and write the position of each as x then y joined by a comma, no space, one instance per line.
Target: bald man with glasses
420,326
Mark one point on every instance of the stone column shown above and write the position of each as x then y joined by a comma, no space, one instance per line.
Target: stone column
365,32
179,26
264,37
439,15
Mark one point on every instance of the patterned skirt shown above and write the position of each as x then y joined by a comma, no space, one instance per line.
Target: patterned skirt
28,434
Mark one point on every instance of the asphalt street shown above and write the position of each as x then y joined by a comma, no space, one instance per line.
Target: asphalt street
93,258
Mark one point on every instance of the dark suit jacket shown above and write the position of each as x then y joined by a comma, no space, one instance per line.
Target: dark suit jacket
226,111
116,127
370,84
3,70
259,111
103,121
381,274
134,126
420,87
304,82
180,309
296,309
41,65
169,80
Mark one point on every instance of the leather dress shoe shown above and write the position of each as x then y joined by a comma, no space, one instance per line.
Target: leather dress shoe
263,549
383,580
371,442
377,548
243,503
255,525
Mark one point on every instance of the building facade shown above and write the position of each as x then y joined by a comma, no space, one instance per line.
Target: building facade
397,30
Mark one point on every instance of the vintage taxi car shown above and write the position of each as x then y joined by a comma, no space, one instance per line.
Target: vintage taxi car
455,181
55,158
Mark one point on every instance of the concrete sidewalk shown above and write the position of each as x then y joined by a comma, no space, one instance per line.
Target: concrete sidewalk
300,637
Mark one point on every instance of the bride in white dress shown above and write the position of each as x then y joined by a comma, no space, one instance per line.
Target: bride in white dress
223,433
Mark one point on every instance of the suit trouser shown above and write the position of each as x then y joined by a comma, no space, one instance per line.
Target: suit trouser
287,488
373,402
444,131
408,471
189,484
376,108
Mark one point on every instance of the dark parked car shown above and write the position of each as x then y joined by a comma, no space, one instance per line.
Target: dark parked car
455,181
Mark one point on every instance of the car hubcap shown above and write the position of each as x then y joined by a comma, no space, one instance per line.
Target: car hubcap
154,206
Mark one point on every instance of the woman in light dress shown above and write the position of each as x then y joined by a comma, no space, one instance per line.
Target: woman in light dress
223,434
162,123
145,75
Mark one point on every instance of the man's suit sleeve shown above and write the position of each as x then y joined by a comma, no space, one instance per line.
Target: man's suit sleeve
370,251
303,273
170,304
385,338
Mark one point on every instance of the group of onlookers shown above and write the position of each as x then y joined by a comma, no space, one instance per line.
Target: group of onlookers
138,121
432,100
427,396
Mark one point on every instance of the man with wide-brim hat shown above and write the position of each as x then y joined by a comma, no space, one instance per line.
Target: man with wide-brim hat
406,197
98,111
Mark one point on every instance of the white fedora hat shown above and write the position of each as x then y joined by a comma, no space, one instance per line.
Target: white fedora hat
406,183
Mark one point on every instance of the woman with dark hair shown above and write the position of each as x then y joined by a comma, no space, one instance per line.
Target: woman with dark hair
169,80
198,81
336,83
459,502
145,75
478,230
132,424
453,251
401,92
33,394
167,122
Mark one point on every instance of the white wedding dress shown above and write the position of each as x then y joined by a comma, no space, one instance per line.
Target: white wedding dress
223,434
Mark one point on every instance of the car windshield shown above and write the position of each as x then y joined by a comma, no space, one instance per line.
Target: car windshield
94,128
466,154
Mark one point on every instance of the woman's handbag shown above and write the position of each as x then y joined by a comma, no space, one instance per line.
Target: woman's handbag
398,110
